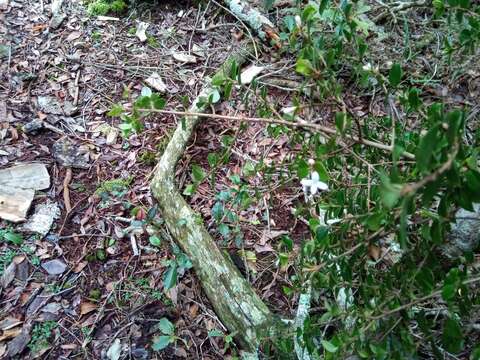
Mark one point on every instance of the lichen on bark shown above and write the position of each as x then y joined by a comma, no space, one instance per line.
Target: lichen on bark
234,300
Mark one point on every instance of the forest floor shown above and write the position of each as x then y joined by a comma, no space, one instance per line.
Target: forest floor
103,293
58,82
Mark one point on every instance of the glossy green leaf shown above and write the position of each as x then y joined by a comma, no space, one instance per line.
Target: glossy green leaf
304,67
328,346
395,75
452,336
170,277
161,342
155,240
426,147
166,327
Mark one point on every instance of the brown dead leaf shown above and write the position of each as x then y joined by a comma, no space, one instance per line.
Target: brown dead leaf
73,36
80,266
87,307
193,310
374,252
10,333
180,351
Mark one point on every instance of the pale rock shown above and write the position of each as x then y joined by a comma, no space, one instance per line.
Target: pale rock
184,58
14,203
42,220
247,75
26,176
141,31
54,267
156,82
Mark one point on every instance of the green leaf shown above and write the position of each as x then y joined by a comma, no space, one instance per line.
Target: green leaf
452,336
197,173
143,102
327,345
448,291
302,169
189,190
214,96
425,148
341,121
116,110
166,327
215,333
213,159
304,67
390,192
155,240
395,75
374,221
425,279
414,98
157,101
13,237
161,342
224,230
170,277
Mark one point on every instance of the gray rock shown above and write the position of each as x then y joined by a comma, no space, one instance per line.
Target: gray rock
70,154
465,233
54,267
57,20
32,126
8,275
23,270
26,176
4,51
42,220
19,343
51,105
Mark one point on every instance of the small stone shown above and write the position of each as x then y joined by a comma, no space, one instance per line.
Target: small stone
32,126
54,267
42,220
156,82
51,105
465,233
8,275
19,343
56,20
3,4
4,51
23,270
70,154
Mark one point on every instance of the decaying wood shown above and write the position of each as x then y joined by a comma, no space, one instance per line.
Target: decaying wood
255,19
234,300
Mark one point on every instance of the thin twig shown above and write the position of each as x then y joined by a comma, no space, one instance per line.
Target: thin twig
297,124
413,188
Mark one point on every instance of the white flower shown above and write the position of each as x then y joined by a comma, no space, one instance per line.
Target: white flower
298,21
367,67
313,185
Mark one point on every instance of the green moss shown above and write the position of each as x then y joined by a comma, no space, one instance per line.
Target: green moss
103,7
148,157
98,8
118,6
114,185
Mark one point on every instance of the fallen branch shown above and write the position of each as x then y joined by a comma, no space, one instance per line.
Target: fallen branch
256,20
298,124
66,191
233,298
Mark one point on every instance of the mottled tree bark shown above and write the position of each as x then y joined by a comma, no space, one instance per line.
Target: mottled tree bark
234,300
